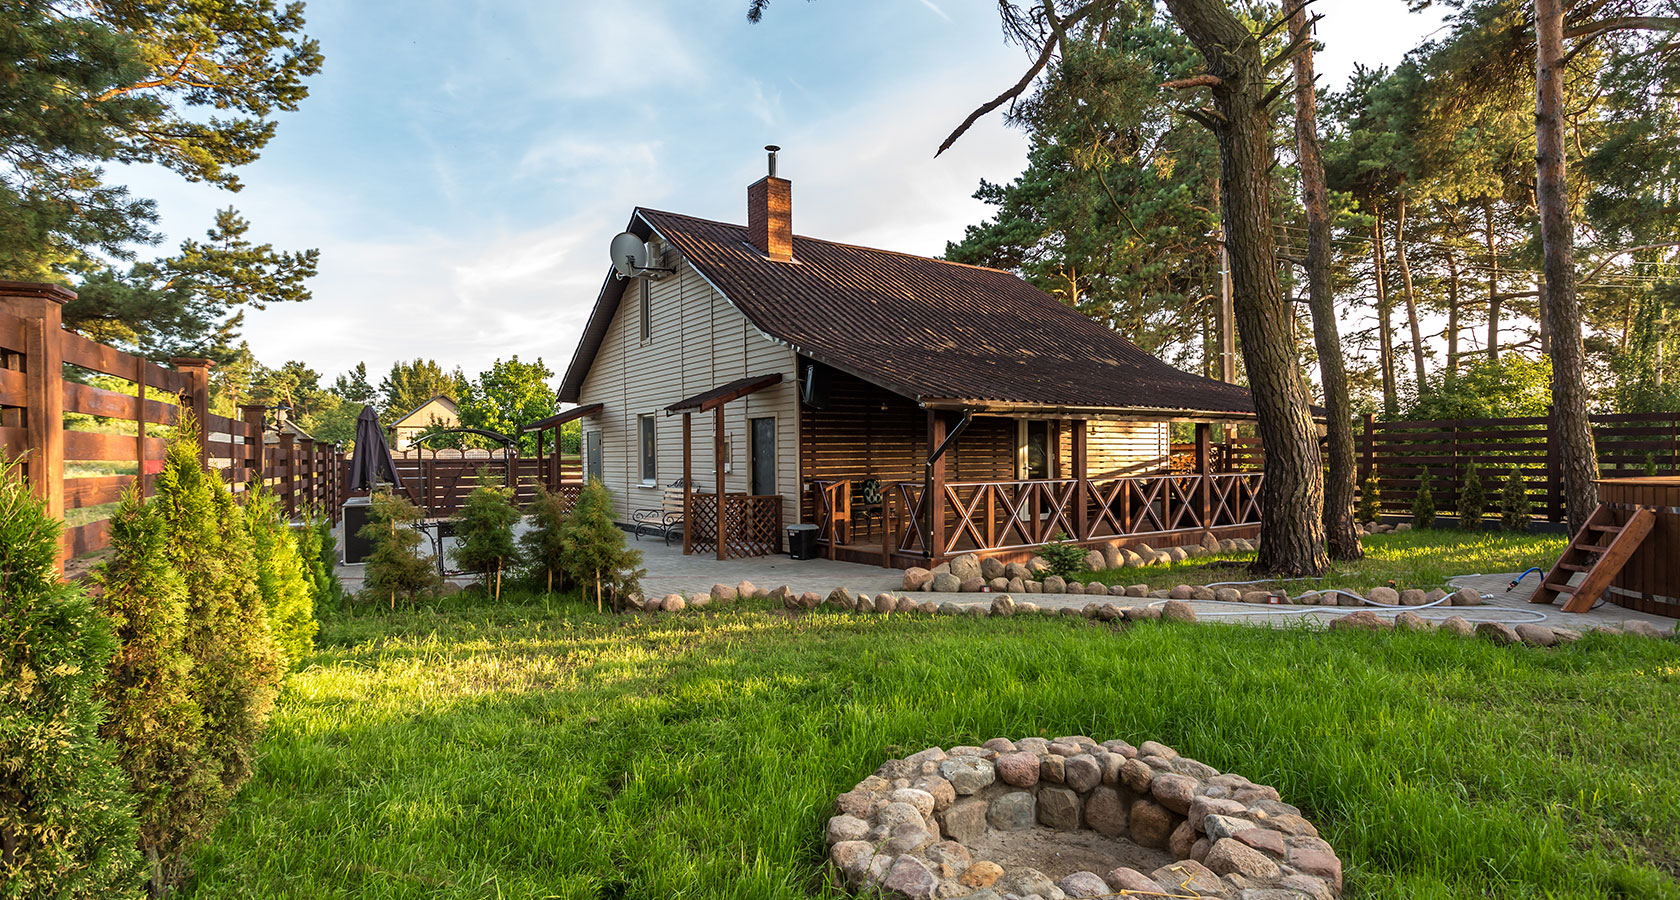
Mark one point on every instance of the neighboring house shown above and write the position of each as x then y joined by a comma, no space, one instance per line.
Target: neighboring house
439,410
851,380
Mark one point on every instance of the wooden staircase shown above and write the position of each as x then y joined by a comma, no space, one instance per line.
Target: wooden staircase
1600,559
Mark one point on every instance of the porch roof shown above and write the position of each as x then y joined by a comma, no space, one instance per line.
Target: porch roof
723,393
561,418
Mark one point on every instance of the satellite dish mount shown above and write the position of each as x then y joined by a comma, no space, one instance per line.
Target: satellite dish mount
631,255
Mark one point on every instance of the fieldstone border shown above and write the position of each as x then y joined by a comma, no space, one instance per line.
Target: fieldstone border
910,830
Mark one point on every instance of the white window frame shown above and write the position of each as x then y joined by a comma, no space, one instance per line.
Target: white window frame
647,448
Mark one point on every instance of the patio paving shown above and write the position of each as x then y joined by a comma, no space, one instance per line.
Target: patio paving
669,571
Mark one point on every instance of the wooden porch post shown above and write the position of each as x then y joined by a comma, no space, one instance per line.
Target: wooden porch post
1080,485
717,464
933,489
1204,455
1055,440
688,481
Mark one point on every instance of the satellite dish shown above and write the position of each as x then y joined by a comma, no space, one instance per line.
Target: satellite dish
629,255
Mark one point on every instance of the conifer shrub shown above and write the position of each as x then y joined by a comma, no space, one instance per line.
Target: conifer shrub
1370,500
287,597
319,550
542,546
1064,557
1514,505
66,817
484,533
395,567
1423,505
154,721
594,554
1472,500
237,667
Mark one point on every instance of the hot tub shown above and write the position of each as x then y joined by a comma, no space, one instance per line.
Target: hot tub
1650,581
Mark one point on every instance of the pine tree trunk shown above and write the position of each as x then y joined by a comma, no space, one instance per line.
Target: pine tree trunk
1452,313
1292,530
1493,285
1340,529
1418,373
1572,439
1385,334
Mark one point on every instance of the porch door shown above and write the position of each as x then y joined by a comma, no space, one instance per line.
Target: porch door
1033,450
763,456
592,455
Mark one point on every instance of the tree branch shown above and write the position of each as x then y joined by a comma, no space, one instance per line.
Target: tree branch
1623,252
1623,23
1058,28
1195,81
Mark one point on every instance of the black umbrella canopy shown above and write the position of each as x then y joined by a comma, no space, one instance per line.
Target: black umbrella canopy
372,460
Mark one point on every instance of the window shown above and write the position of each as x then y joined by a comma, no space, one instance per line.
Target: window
763,456
647,426
592,455
647,309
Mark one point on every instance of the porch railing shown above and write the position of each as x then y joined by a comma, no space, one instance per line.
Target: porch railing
1011,515
752,524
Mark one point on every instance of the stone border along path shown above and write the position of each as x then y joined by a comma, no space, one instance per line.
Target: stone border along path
909,830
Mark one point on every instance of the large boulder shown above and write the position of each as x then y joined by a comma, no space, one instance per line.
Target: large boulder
917,578
947,583
966,566
971,585
1055,584
1016,570
840,598
723,593
1003,606
1095,561
992,568
1177,611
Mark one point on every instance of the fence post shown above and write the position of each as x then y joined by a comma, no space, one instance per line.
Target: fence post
197,398
308,473
1554,477
41,306
252,414
286,465
1368,459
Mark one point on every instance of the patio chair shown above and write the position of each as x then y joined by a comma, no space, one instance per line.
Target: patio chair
870,504
668,518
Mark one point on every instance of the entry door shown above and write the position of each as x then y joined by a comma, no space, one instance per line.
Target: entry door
592,454
1034,449
764,456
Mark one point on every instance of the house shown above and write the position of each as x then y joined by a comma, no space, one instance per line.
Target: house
439,410
911,408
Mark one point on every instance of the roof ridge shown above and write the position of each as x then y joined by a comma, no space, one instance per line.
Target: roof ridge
806,237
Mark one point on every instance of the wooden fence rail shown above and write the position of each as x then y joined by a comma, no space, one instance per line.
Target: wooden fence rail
79,465
1398,453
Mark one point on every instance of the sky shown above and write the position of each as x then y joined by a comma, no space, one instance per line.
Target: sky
462,165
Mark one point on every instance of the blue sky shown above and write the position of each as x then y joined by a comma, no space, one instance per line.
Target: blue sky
462,165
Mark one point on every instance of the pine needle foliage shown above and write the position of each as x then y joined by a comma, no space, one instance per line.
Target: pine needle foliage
1370,499
1514,505
484,531
1423,505
395,568
1472,500
237,667
154,721
543,545
594,554
287,596
66,817
319,551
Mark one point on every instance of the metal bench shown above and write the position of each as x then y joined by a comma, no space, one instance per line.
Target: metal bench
668,518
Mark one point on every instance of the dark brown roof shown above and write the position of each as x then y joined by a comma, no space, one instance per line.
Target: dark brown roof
938,332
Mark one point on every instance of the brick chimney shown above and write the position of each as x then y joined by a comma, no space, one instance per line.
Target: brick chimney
770,213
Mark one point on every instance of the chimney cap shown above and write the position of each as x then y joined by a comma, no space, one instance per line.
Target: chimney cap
772,148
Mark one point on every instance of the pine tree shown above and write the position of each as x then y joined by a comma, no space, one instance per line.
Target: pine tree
1514,505
155,723
594,552
543,545
66,817
1423,505
484,530
1472,500
287,597
394,566
1370,500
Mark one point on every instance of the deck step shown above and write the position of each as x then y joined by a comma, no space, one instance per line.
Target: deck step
1574,568
1607,529
1560,588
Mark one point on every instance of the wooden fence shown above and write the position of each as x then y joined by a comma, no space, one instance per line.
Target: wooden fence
81,468
439,481
1399,452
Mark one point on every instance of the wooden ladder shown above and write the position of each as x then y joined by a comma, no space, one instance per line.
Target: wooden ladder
1600,561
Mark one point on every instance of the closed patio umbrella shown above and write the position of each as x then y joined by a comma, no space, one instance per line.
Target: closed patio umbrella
372,460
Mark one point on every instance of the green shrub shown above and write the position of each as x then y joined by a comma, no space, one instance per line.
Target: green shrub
1472,500
287,597
66,818
1064,558
155,723
593,550
1514,505
1423,505
395,567
542,545
1370,500
237,668
484,534
319,551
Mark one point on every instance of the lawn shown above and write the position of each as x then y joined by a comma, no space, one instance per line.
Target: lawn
502,752
1412,559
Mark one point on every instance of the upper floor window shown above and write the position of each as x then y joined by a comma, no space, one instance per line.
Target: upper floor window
646,306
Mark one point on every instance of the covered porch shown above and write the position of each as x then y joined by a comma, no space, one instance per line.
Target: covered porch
717,522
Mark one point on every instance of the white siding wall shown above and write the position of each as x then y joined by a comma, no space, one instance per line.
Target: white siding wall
699,341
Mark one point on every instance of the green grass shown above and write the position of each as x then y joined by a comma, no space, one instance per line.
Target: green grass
490,753
1412,559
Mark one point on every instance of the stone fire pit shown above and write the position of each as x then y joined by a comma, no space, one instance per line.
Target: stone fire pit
1073,818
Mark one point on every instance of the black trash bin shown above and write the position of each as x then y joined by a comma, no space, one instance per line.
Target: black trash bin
802,541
